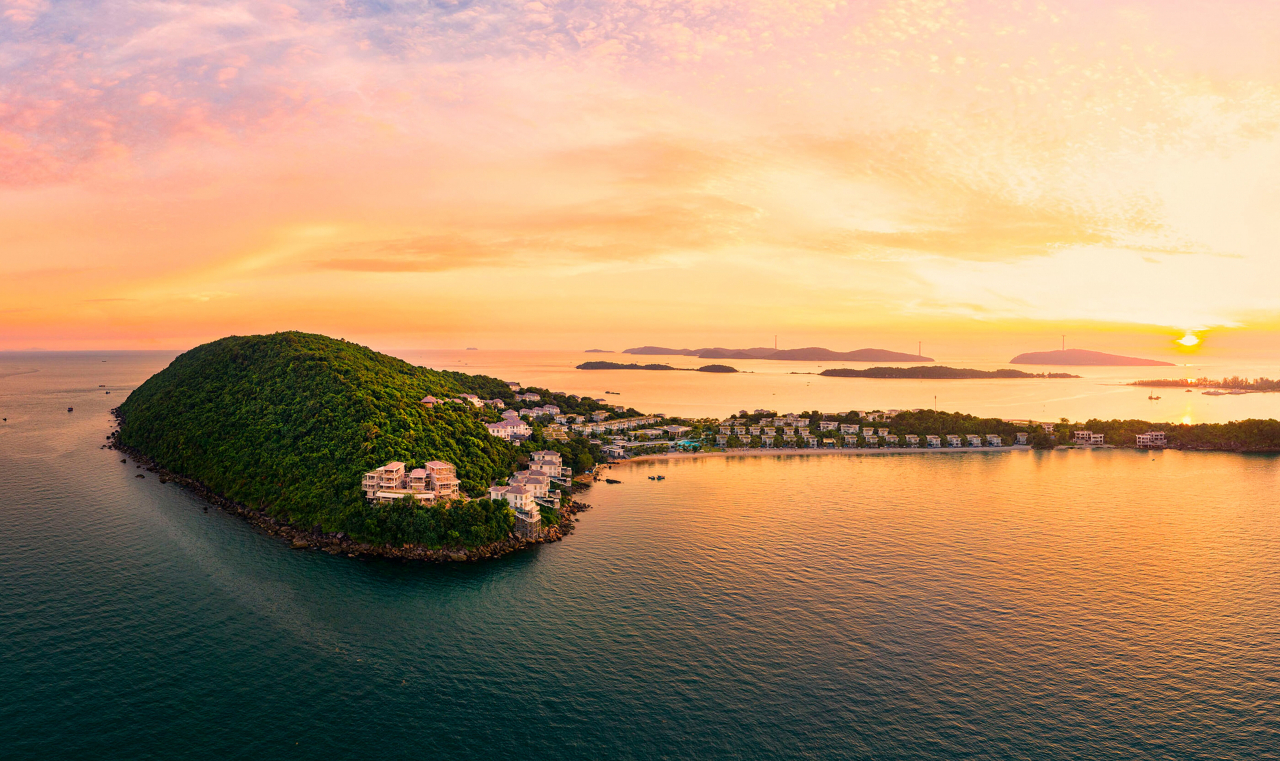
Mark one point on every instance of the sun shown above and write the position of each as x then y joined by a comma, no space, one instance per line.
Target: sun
1190,340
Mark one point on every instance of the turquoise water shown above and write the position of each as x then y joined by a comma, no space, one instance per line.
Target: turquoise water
1005,606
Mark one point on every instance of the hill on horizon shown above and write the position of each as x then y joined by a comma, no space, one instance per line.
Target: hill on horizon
1084,357
807,354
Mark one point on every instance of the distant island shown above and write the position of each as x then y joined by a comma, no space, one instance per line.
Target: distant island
633,366
598,351
809,354
1084,357
935,373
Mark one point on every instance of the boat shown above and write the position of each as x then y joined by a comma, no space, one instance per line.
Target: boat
662,478
611,481
1149,396
1215,393
653,478
69,409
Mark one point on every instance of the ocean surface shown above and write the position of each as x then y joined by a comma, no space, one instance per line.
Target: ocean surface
1016,605
1100,392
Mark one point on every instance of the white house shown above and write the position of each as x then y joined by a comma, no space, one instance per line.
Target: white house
1022,438
1087,437
953,440
509,428
994,440
1152,440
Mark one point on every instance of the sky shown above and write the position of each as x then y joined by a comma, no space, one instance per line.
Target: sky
574,174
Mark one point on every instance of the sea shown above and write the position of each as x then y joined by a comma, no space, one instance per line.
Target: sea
1096,604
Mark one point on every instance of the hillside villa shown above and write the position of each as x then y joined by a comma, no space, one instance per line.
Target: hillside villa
434,480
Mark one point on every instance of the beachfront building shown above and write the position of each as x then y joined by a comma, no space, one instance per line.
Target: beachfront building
828,425
1152,440
953,440
435,480
974,440
847,429
891,440
913,440
934,442
882,432
769,432
872,439
1022,438
1087,437
509,429
677,431
1048,427
722,440
994,440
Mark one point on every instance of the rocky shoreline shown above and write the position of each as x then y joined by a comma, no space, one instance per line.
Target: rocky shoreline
339,543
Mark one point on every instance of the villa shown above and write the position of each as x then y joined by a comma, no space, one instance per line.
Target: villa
1087,437
509,429
953,440
913,439
1022,438
1152,440
435,480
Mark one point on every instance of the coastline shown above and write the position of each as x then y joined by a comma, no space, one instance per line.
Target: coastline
339,543
761,452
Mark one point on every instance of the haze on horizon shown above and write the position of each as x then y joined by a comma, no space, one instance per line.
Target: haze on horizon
573,175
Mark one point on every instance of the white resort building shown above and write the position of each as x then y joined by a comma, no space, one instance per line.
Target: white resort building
1087,437
435,480
1152,440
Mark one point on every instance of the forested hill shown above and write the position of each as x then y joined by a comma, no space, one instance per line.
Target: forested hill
290,422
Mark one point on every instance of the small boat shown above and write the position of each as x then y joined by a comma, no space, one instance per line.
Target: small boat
1215,393
662,478
102,385
108,392
70,409
1149,396
653,478
611,481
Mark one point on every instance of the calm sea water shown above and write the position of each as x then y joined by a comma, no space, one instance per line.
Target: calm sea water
1100,392
1092,605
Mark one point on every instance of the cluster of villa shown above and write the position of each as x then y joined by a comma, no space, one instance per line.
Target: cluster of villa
434,480
528,490
795,430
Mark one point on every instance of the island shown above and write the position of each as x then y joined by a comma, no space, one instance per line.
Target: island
598,351
1084,357
936,372
809,354
598,365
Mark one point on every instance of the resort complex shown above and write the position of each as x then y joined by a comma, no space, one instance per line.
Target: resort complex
528,491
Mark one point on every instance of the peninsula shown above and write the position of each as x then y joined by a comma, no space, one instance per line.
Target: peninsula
1232,385
809,354
1082,357
936,372
283,428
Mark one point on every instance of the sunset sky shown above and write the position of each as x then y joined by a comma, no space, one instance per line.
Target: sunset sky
570,174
